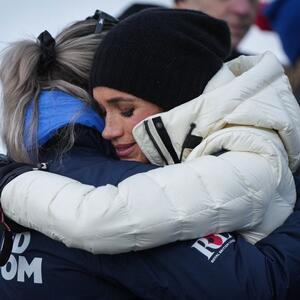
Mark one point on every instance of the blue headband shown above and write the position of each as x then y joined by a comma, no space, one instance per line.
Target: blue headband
56,110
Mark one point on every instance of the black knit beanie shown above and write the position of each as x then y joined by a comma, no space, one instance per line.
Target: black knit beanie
165,56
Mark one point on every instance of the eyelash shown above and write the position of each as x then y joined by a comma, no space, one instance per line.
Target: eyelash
127,113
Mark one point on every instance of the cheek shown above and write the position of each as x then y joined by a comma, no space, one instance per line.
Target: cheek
138,155
137,118
128,125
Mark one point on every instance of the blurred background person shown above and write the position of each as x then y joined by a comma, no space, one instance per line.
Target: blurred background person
135,8
239,15
284,18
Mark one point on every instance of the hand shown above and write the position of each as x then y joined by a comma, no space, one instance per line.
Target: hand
9,170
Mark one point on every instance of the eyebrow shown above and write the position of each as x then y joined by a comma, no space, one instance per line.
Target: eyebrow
117,100
114,102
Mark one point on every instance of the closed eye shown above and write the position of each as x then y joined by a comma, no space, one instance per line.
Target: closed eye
127,113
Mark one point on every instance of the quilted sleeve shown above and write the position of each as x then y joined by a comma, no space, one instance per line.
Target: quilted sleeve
206,195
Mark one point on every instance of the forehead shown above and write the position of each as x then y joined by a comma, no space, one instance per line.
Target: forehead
107,97
104,94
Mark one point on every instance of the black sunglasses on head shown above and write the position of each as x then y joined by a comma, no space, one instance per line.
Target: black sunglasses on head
104,21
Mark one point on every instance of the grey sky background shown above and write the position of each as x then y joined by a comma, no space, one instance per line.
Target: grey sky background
21,19
27,18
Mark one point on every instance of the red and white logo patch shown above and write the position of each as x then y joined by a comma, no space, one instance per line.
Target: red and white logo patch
213,245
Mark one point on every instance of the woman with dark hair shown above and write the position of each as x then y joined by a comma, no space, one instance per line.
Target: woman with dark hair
160,273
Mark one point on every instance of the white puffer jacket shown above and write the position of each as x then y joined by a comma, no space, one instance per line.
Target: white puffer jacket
247,109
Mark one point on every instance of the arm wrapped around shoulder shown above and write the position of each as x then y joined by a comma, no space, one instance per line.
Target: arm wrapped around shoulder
184,201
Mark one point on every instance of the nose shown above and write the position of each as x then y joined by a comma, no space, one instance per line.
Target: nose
112,130
244,7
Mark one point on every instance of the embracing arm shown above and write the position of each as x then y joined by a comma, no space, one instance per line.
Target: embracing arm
206,195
